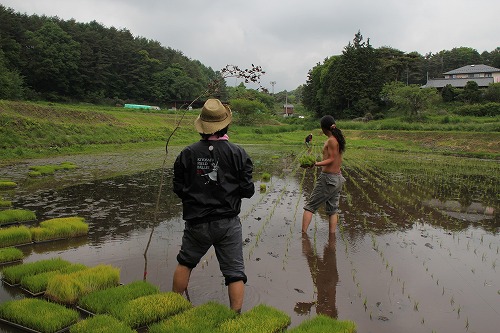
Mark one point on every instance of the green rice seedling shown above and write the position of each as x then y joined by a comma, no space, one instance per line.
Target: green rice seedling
6,184
307,161
10,254
101,323
260,319
100,302
149,309
14,236
37,284
266,177
38,315
5,203
204,318
64,227
42,170
322,323
68,288
16,215
263,188
14,274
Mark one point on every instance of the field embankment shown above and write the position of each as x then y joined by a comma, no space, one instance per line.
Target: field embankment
30,130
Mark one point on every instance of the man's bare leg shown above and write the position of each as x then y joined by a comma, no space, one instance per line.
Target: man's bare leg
306,220
236,291
181,279
332,221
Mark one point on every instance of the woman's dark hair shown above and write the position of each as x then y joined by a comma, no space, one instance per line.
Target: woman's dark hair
328,123
219,133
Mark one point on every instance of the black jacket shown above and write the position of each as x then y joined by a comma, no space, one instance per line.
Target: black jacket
212,181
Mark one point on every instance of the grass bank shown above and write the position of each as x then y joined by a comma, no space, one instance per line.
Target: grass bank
29,130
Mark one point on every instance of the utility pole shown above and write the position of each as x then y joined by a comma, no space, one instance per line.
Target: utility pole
272,84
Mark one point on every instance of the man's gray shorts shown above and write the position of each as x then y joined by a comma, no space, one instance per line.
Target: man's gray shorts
327,190
226,237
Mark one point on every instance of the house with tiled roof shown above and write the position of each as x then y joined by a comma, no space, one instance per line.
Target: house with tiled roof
483,75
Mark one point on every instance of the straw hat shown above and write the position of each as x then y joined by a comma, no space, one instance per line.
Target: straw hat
214,117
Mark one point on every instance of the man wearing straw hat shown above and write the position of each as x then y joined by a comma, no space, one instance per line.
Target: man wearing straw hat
211,177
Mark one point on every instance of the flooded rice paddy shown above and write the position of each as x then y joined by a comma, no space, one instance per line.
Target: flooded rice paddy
417,248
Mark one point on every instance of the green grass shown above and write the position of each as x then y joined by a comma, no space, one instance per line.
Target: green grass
63,227
68,288
260,319
38,315
7,184
101,323
50,169
149,309
101,302
322,323
16,215
10,254
15,235
204,318
14,274
37,283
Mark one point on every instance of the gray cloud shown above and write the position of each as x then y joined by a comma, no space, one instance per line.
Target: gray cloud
286,38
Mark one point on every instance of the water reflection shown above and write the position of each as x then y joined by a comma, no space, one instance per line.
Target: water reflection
324,275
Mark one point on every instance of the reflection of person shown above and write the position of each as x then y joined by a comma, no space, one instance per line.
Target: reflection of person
330,181
308,139
211,177
324,275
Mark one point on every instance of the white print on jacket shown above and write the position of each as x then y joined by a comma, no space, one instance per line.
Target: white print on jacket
203,166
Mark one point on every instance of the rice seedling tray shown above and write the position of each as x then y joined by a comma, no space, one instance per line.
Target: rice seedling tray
10,284
27,329
10,262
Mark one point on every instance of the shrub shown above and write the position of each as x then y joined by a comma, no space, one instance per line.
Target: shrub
479,110
16,215
260,319
10,254
322,323
100,302
38,315
151,308
201,319
68,288
14,274
63,227
14,236
37,284
101,323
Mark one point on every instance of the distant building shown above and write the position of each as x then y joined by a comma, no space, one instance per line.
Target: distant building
287,110
483,75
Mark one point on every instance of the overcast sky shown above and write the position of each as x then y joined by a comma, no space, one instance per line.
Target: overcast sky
286,37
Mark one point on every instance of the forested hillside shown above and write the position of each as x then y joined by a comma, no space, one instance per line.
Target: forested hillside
52,59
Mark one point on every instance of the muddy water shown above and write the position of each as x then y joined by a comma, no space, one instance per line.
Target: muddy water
406,257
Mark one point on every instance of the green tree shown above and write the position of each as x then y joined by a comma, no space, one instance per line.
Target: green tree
448,93
11,83
492,93
410,99
247,111
470,93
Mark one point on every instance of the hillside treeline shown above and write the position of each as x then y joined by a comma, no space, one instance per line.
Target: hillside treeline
349,85
52,59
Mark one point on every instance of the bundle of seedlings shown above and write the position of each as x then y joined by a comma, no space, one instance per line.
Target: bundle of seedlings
5,203
42,170
307,161
7,184
15,236
37,284
10,254
10,216
101,302
38,315
101,323
150,309
13,275
68,288
260,319
60,228
322,323
201,319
